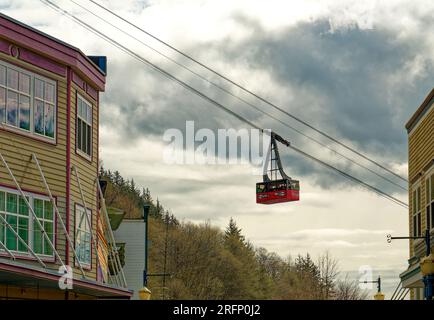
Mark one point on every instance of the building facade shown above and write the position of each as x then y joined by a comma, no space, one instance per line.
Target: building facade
49,116
420,130
131,234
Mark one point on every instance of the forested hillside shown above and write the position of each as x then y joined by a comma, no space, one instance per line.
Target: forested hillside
205,262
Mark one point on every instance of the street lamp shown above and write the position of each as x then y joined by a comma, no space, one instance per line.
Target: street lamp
145,293
427,270
379,295
426,263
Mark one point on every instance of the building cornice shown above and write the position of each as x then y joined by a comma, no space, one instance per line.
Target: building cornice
420,112
28,38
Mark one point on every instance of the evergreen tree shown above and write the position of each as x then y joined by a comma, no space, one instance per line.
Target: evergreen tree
233,232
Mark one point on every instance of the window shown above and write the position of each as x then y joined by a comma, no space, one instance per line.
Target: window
429,196
417,227
44,212
27,101
15,211
84,126
83,235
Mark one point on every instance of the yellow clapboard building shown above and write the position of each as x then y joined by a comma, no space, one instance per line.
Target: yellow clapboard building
52,242
420,130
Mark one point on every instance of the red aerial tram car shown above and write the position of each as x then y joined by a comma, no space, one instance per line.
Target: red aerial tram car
273,190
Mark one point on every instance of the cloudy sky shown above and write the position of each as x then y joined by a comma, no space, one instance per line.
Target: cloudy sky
356,70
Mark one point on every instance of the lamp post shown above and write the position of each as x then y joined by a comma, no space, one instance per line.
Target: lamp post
379,295
145,293
426,263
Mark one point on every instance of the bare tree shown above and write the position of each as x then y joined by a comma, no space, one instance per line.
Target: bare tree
329,270
347,289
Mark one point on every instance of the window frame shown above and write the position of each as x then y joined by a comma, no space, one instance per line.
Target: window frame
429,199
416,210
31,223
31,133
84,264
77,149
42,220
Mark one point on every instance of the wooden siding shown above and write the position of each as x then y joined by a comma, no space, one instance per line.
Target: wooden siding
132,233
421,153
17,150
87,171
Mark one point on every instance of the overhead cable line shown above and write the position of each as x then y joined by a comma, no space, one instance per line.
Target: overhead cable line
243,88
214,102
241,99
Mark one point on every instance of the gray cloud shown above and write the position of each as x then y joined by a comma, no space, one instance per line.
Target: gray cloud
342,82
348,73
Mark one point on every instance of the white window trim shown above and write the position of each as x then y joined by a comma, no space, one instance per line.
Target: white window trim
429,175
31,132
89,212
80,152
31,197
413,213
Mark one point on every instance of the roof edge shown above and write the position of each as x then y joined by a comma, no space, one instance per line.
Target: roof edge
56,49
420,111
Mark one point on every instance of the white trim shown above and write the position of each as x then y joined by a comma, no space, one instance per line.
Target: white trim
31,132
415,188
90,105
429,176
89,213
30,235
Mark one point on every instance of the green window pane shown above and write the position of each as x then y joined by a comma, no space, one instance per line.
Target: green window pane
23,231
2,229
48,226
11,239
38,207
37,239
48,211
11,204
23,208
2,201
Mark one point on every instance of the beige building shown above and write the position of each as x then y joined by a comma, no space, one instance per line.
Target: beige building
420,130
